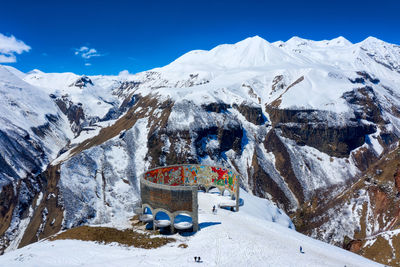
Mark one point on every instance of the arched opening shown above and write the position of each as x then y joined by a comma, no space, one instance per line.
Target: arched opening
227,200
147,210
226,193
183,221
147,215
202,188
213,190
162,219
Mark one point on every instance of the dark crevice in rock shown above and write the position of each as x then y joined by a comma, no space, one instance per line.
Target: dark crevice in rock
262,183
216,107
251,113
283,163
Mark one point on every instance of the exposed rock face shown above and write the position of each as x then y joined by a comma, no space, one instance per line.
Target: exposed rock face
82,82
31,154
274,144
397,180
365,105
216,107
251,113
116,112
74,113
263,185
317,129
365,217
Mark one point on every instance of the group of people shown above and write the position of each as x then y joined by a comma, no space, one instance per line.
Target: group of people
197,259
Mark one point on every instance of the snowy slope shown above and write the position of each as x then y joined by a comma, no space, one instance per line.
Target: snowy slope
258,235
26,111
97,100
21,103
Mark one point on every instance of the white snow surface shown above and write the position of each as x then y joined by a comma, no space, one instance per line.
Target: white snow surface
24,107
22,104
96,98
258,235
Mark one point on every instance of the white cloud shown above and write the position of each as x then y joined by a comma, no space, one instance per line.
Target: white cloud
86,52
124,73
7,58
88,64
9,46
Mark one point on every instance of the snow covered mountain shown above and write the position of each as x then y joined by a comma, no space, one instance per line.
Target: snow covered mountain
302,121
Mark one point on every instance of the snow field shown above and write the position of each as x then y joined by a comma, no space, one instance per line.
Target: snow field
258,235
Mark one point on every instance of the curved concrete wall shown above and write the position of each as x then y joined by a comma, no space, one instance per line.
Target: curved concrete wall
172,200
173,189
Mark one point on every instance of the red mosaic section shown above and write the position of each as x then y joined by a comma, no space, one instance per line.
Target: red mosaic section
193,174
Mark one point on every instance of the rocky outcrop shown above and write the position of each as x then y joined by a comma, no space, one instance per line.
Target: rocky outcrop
82,82
117,111
216,107
264,186
363,78
365,105
74,112
273,144
397,180
22,155
364,218
252,114
319,129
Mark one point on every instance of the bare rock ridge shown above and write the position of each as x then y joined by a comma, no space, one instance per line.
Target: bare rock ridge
311,125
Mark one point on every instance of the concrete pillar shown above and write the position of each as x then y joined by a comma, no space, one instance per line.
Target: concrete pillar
195,211
237,200
172,228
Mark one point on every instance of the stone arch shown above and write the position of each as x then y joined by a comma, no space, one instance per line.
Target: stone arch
202,188
226,192
183,221
211,187
147,206
182,211
170,215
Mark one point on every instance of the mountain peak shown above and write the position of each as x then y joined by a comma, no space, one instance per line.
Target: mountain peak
250,52
297,40
371,40
35,71
253,39
338,41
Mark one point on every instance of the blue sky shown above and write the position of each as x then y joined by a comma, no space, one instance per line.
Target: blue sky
106,37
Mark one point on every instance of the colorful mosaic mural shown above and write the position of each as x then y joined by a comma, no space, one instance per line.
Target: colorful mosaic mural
193,174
